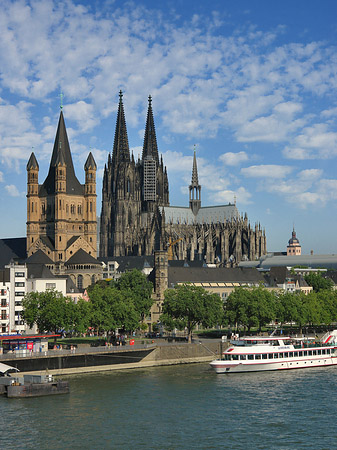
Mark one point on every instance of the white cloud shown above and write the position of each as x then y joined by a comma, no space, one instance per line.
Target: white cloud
13,190
316,141
240,195
1,177
83,113
233,159
267,171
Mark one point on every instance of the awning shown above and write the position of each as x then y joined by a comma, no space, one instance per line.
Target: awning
4,369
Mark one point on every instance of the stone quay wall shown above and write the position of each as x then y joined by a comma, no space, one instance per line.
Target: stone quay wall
121,359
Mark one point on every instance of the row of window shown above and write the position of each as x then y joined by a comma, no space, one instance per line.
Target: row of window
257,356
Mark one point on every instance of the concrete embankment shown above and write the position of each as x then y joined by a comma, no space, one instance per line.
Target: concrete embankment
156,355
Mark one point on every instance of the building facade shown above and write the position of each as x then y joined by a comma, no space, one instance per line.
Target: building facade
137,219
61,212
13,287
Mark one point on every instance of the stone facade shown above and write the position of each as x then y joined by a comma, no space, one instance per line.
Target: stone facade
61,212
137,219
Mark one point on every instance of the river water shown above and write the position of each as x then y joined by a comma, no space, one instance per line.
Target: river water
179,407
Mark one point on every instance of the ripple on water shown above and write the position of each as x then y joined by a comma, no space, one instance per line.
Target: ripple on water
180,407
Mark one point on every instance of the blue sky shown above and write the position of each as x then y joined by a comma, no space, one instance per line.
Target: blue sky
252,84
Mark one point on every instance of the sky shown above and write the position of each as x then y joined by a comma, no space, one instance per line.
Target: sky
251,85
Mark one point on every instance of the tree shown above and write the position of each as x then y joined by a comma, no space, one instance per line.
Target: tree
236,309
318,283
112,308
49,310
185,306
137,283
250,307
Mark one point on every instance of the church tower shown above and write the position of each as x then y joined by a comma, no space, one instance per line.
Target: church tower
121,195
195,189
132,192
61,213
154,177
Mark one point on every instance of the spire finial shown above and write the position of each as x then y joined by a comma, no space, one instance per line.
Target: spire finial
120,96
150,100
234,199
61,100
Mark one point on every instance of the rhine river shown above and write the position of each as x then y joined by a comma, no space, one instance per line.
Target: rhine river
179,407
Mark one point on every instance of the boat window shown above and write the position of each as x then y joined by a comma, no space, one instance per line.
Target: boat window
250,356
319,352
280,355
314,352
275,355
235,357
300,353
270,356
328,351
291,354
257,356
305,353
310,352
264,356
295,354
286,355
242,357
323,351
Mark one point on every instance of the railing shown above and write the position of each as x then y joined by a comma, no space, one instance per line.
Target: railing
74,351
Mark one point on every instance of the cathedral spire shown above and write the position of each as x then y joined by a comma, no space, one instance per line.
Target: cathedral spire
121,150
61,154
195,188
194,181
150,148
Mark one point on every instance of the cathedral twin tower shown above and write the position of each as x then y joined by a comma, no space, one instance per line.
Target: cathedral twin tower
136,216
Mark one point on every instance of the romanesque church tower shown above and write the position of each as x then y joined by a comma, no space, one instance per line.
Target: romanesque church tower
61,212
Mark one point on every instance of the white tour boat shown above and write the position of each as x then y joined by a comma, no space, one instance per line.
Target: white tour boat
252,354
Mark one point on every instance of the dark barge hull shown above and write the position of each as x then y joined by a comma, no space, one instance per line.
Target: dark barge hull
37,389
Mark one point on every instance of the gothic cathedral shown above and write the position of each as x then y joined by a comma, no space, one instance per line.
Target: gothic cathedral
137,219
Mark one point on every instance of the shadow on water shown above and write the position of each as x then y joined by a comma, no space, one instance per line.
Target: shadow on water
179,407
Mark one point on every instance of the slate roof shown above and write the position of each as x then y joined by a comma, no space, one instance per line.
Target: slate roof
90,162
39,271
72,240
127,263
206,214
213,275
32,162
12,249
183,263
39,257
279,275
82,257
61,154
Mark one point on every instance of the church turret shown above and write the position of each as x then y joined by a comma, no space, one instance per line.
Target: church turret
195,188
33,203
90,201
